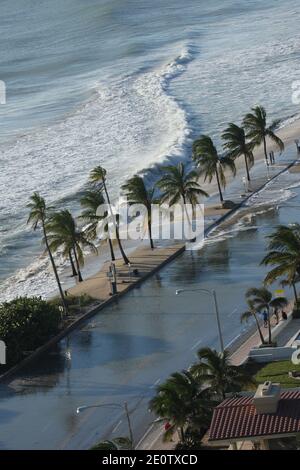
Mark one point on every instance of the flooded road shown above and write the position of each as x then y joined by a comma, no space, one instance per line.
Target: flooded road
122,353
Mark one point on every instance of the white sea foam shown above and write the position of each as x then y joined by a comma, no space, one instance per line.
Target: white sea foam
131,125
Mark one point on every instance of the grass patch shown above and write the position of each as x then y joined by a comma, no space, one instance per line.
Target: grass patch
278,372
76,304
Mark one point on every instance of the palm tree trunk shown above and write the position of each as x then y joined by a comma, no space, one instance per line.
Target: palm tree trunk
247,168
74,272
219,186
63,300
295,293
125,259
185,209
77,265
150,233
112,254
265,150
269,327
259,329
192,240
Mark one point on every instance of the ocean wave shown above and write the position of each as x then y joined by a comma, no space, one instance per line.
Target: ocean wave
288,121
127,127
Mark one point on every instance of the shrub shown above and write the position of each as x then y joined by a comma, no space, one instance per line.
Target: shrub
75,303
26,324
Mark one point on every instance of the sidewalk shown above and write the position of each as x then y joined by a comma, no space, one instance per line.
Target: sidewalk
281,333
143,263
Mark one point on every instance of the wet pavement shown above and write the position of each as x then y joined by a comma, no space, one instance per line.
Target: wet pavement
122,353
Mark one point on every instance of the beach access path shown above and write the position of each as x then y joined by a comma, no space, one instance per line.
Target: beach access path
143,263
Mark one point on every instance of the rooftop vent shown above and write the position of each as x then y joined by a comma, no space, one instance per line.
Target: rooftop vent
267,398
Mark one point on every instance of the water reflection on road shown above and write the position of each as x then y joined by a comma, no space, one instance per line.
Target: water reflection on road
123,352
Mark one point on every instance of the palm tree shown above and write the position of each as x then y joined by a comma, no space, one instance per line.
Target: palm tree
284,254
215,369
137,193
262,300
237,146
63,233
210,164
252,313
90,202
183,403
119,443
98,175
38,216
255,124
74,272
179,186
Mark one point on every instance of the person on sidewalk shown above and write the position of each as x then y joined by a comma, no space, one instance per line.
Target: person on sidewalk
284,315
265,317
276,315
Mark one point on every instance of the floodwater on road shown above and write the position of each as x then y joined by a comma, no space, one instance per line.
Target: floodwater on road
122,353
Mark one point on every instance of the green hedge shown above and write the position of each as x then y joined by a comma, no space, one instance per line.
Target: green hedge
25,324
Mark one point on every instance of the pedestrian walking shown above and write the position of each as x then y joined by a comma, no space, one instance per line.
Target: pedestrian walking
265,317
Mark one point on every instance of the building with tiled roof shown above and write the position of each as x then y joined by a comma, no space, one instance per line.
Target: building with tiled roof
268,414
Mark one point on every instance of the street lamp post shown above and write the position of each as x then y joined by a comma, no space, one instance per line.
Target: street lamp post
124,407
213,294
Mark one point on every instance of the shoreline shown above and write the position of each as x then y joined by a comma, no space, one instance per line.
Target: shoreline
127,283
212,208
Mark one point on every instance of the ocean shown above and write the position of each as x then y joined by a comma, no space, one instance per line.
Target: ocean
126,84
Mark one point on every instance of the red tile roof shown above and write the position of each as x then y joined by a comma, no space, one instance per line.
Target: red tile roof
237,418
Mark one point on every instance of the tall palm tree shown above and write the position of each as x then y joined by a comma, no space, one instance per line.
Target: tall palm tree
262,300
258,131
98,175
184,403
63,233
38,216
284,254
90,202
236,145
178,185
74,272
211,164
215,369
137,193
252,313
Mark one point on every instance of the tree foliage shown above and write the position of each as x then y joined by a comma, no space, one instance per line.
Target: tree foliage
25,324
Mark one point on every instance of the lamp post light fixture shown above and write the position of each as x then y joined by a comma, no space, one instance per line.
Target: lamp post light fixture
124,407
213,294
